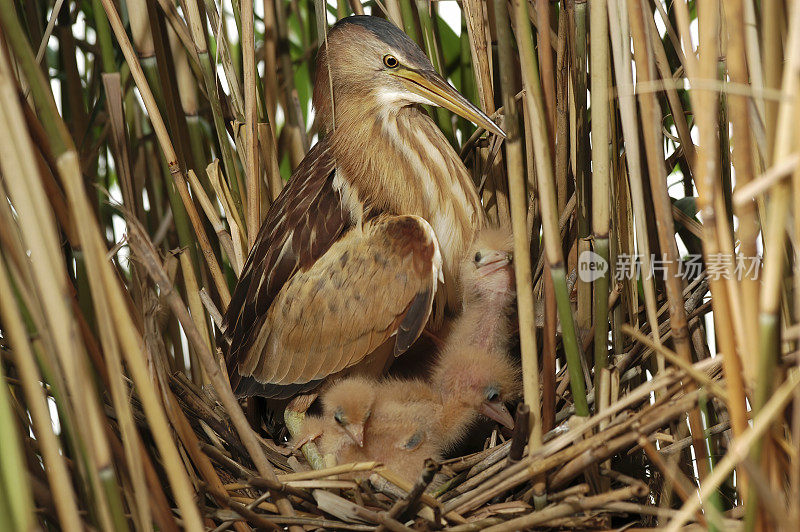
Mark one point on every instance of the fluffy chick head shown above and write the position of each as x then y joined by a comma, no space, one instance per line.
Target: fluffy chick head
487,268
480,380
348,403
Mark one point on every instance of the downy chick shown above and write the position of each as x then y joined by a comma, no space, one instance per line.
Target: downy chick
346,406
473,372
471,381
367,420
488,285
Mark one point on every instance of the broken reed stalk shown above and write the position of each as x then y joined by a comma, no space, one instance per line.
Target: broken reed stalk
547,197
409,501
519,220
197,30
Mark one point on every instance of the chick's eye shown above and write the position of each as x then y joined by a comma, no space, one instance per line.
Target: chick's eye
478,256
339,417
390,61
492,394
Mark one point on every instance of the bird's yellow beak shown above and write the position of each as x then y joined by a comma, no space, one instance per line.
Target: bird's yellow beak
498,412
429,84
356,433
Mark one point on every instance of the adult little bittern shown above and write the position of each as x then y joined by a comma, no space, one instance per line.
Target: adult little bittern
350,252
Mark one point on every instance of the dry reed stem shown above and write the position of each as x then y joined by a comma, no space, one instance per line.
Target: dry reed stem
544,175
740,448
55,466
148,438
569,507
601,179
169,152
147,254
743,163
39,232
663,209
519,204
253,173
701,378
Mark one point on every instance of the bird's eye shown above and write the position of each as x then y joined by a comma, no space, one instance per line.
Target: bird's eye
390,61
339,417
478,256
492,394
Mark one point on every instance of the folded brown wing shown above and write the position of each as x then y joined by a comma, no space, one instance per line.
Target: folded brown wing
308,216
371,284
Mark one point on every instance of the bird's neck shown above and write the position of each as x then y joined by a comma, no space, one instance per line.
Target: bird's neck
404,164
485,323
456,419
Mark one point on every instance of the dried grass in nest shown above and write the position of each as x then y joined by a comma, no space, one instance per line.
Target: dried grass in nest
484,490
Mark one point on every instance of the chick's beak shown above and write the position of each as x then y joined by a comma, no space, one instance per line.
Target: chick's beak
429,84
497,261
497,411
356,433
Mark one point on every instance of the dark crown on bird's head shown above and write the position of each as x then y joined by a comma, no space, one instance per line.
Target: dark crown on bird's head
389,34
356,55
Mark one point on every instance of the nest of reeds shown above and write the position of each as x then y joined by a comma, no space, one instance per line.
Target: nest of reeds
141,143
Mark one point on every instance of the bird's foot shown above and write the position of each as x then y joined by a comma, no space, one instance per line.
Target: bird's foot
294,423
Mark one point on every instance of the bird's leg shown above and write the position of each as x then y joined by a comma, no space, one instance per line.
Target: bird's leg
294,416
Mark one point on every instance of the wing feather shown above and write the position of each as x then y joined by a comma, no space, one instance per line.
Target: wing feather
306,219
366,287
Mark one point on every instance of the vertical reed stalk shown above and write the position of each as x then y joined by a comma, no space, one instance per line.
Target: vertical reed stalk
618,21
25,362
547,198
775,241
601,177
663,209
522,247
199,37
40,235
583,187
253,173
545,52
16,499
435,54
